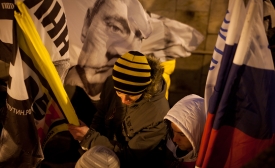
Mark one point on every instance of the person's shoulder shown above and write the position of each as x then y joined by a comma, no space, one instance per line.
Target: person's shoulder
156,107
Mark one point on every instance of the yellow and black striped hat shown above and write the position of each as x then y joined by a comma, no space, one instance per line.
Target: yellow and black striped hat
131,73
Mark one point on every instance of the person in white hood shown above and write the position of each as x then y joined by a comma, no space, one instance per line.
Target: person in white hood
185,121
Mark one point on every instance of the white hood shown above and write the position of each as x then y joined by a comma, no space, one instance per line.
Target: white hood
189,115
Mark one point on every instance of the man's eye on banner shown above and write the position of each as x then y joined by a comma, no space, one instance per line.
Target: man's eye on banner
110,28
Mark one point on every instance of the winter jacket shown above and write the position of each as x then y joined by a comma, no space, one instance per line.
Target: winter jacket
133,132
189,115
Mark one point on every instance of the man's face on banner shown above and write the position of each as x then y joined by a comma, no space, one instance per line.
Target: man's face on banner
106,34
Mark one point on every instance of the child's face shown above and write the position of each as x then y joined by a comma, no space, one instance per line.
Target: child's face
180,139
128,99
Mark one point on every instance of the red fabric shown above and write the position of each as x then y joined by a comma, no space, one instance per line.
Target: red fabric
205,139
226,148
227,152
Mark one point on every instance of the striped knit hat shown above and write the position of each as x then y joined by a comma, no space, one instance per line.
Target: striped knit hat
132,73
98,156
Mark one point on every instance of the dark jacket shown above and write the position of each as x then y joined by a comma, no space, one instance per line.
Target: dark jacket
134,132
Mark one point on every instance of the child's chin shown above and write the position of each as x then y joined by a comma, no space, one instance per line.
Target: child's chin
128,103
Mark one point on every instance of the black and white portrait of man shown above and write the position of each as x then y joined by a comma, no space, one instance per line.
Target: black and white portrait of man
110,28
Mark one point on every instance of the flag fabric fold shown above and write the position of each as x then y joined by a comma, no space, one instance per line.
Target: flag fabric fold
239,94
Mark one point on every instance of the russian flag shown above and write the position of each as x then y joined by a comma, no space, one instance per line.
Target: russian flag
240,94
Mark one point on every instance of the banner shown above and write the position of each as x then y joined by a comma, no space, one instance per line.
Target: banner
37,104
50,21
239,93
102,30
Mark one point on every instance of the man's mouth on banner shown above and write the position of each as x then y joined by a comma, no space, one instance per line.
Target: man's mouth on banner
93,78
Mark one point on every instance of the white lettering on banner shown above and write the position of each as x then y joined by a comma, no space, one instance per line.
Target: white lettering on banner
7,5
18,111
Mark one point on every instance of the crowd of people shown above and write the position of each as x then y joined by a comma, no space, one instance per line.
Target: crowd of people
134,125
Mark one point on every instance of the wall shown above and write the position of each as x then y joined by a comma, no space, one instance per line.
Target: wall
206,16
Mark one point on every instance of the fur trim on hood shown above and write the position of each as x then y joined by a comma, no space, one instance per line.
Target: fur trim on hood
156,76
